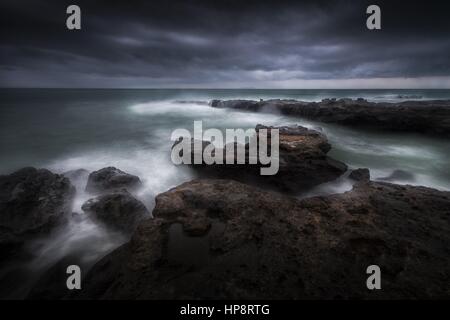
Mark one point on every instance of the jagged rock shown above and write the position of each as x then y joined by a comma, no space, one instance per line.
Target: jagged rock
264,245
303,162
110,179
361,174
32,201
417,116
119,210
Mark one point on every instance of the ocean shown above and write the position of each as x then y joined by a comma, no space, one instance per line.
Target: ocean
67,129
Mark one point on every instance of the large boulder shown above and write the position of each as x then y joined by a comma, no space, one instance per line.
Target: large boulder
431,117
303,162
119,210
111,179
32,202
254,244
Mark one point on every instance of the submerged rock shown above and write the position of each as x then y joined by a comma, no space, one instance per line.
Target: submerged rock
32,202
416,116
361,174
110,179
271,246
119,210
303,162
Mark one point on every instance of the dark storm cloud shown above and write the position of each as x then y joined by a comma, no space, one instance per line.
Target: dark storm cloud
220,43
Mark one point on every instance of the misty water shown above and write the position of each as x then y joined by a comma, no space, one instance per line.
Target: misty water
63,130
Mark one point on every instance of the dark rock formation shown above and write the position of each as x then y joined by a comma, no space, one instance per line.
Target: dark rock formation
32,201
266,245
361,174
416,116
303,162
110,179
119,210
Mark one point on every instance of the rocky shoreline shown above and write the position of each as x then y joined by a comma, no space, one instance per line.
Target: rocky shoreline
254,244
213,238
431,117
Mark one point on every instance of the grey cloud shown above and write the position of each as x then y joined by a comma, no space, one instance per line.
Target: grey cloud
215,43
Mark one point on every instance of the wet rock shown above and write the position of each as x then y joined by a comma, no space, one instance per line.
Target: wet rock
303,162
431,117
361,174
119,210
110,179
32,202
273,246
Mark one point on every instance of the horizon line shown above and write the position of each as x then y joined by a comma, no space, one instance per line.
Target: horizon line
190,88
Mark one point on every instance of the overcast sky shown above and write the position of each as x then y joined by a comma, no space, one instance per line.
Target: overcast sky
225,44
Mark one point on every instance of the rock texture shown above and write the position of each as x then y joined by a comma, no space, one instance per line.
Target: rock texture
253,244
111,179
416,116
303,162
32,201
119,210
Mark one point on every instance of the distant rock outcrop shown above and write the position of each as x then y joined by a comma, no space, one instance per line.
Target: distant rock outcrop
415,116
253,244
